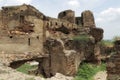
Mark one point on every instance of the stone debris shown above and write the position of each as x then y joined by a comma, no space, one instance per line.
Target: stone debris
6,73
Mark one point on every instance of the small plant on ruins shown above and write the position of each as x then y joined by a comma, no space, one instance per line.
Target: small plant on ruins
84,38
87,71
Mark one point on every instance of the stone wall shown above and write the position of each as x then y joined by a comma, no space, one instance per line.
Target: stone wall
21,31
57,28
65,56
88,19
113,64
68,15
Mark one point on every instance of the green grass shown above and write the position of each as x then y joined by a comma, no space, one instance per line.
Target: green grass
81,38
25,68
87,71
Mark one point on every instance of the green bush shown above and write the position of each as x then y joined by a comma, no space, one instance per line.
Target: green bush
87,71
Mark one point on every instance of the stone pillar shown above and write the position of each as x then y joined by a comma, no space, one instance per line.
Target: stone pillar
97,55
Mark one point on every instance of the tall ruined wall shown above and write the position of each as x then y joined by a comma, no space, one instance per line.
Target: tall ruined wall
21,32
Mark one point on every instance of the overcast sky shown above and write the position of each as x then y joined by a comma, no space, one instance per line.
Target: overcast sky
106,12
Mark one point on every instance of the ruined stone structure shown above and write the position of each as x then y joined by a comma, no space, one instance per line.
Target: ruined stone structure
59,45
113,64
21,32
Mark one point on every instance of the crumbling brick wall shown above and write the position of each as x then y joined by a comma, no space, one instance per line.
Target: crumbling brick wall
67,15
21,31
113,64
88,19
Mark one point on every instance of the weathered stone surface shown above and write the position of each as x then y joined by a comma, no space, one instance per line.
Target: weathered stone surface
23,26
88,19
68,15
97,33
60,60
113,64
117,45
65,56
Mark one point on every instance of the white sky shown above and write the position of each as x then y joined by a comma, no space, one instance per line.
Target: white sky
106,12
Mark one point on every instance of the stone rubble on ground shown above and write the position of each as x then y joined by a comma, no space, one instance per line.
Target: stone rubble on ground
7,73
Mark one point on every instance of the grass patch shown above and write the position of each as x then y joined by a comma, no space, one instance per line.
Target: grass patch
87,71
107,43
81,38
25,68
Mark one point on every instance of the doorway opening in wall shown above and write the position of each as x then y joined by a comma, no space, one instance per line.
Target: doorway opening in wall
22,18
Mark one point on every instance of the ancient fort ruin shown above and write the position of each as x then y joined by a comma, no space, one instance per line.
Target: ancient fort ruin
58,44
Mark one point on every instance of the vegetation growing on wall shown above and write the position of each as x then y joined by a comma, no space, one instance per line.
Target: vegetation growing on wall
85,38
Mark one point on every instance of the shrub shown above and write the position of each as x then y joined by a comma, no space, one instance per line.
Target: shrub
87,71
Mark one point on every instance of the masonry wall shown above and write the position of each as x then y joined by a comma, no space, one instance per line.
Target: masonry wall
113,64
21,32
57,28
